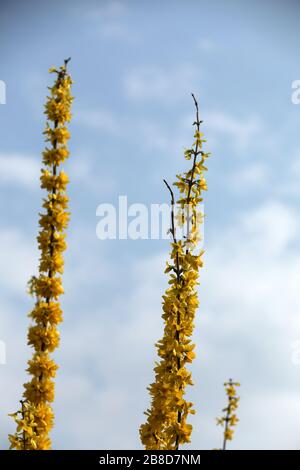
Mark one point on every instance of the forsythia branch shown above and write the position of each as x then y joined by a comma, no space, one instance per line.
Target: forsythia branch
35,418
229,419
166,427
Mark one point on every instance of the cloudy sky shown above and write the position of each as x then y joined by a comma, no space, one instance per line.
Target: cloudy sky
134,65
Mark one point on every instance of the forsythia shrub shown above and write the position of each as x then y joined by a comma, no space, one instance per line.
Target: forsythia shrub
35,417
229,420
166,427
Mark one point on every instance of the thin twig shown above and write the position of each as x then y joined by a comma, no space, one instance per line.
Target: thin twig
66,61
196,123
172,230
227,419
23,416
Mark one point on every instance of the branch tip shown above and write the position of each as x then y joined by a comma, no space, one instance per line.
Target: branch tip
171,192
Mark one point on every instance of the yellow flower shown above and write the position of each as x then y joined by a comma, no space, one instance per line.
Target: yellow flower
54,263
55,156
58,135
43,337
39,391
34,422
48,312
49,287
42,365
52,182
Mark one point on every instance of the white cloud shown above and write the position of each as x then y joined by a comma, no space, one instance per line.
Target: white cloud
100,119
241,132
14,246
150,134
250,318
18,169
108,20
270,228
167,85
252,176
83,173
112,389
288,180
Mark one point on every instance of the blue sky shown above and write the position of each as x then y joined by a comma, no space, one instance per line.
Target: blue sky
134,65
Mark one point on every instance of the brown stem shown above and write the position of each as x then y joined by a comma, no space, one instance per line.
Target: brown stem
60,77
177,271
227,419
173,229
23,417
197,123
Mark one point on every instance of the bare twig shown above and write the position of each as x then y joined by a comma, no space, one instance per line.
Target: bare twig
196,152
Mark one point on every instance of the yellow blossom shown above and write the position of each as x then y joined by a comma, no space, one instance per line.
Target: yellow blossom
41,364
48,312
40,337
50,182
